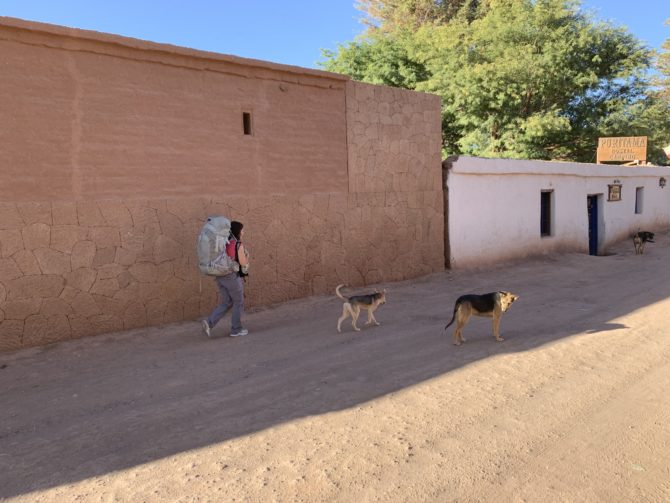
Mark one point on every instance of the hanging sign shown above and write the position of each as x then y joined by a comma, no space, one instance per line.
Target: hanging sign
622,148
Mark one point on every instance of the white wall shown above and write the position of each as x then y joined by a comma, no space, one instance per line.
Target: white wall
494,207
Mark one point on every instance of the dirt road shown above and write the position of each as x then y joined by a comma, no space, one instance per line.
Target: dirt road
573,406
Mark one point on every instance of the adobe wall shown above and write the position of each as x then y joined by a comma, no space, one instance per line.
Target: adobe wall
118,149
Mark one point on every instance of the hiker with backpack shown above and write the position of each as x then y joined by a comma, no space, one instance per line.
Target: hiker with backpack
230,267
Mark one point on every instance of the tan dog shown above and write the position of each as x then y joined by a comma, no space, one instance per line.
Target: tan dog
491,305
353,305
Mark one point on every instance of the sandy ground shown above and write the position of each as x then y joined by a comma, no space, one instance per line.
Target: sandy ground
573,406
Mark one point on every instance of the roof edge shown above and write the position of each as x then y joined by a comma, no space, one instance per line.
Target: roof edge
145,45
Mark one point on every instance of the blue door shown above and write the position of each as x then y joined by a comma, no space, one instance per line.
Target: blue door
592,205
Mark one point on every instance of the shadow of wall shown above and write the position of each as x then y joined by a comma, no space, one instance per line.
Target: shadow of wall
121,400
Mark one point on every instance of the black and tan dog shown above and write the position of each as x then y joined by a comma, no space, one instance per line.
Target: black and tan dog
491,305
640,238
353,305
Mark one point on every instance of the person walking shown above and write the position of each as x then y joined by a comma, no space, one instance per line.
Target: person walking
231,286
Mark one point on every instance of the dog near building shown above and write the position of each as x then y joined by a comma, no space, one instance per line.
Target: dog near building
640,238
490,305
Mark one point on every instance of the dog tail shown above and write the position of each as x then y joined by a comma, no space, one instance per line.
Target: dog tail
454,316
337,292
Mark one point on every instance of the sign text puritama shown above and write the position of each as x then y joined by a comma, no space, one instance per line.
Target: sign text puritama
622,148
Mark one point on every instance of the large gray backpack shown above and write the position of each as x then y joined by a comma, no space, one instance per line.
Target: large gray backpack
212,257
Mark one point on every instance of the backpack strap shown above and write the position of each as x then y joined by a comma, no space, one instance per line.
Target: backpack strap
242,275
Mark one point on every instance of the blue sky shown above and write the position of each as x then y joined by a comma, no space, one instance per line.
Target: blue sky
290,32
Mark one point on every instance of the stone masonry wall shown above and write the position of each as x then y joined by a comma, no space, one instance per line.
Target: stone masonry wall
71,269
119,149
394,148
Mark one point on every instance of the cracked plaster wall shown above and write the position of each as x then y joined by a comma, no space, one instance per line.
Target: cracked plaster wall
118,149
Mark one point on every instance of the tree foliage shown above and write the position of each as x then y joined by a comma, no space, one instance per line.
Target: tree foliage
390,15
663,65
536,79
658,110
379,59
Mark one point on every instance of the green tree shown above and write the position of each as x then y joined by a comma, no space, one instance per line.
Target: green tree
390,15
658,111
378,59
663,65
532,79
518,78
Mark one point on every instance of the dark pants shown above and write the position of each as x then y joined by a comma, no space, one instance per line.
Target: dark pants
231,288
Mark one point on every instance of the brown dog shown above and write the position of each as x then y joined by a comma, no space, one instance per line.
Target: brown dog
640,238
491,305
353,305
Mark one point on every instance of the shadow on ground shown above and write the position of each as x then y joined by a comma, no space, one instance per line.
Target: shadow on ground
85,408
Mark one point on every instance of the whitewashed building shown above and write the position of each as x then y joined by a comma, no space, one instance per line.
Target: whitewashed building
503,209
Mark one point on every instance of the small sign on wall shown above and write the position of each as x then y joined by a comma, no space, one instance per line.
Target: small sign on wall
614,192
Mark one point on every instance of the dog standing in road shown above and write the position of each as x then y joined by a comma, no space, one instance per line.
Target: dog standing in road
490,305
353,305
640,238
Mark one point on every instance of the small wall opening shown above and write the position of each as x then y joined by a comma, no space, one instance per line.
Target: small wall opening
546,213
639,200
246,122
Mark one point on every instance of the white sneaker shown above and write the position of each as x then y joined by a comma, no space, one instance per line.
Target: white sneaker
206,329
239,333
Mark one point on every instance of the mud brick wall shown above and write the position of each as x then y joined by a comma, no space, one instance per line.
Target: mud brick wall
115,150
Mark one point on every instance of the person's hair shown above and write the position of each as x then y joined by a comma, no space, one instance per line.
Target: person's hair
236,229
